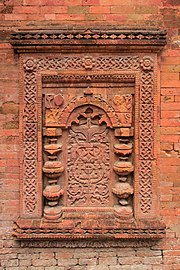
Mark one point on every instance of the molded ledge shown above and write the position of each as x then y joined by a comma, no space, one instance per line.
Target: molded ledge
40,230
134,39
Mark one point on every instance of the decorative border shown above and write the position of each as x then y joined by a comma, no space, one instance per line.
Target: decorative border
153,36
96,233
30,119
88,243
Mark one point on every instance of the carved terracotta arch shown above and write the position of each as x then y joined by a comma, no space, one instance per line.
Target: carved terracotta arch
89,100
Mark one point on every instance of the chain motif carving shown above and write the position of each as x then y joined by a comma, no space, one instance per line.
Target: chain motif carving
30,136
99,63
132,63
30,180
145,177
30,150
146,133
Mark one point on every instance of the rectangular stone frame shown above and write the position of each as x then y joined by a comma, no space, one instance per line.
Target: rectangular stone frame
36,61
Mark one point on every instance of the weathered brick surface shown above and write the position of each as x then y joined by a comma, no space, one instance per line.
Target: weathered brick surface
165,255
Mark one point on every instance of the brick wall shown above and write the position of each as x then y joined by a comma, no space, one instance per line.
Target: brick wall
41,13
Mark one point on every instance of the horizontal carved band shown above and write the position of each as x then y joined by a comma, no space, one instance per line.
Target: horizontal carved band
88,77
130,231
88,243
93,37
134,34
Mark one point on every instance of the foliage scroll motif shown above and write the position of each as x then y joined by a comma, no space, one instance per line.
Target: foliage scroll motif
88,160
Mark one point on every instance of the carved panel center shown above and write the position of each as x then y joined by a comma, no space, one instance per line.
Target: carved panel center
89,159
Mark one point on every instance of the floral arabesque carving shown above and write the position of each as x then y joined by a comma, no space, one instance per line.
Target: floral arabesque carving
88,159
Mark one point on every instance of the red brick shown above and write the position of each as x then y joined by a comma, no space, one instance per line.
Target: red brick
170,53
123,9
170,68
15,17
9,196
68,17
43,2
99,9
170,60
72,3
25,9
168,169
177,146
171,252
152,260
169,76
167,146
173,106
53,9
149,2
5,46
170,83
170,91
64,254
52,2
50,16
108,260
177,98
12,163
10,133
90,2
31,2
114,17
94,17
170,114
13,2
170,123
172,260
146,9
169,160
170,138
165,198
167,98
35,17
78,9
115,2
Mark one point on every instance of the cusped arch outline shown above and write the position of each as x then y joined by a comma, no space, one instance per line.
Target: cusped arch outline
88,100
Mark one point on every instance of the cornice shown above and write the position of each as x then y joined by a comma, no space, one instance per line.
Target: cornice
90,39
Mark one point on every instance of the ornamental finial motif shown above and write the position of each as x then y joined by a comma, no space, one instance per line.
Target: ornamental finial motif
146,63
29,64
88,62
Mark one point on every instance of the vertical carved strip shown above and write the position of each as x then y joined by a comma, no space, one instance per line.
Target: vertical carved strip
52,167
29,125
146,129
